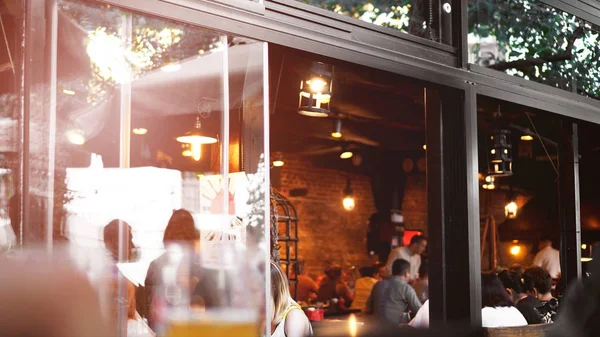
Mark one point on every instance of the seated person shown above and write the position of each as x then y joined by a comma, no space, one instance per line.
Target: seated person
525,303
307,288
421,285
332,287
392,300
363,287
497,306
539,283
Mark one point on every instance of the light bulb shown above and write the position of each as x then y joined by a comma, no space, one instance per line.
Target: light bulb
346,155
526,137
515,250
196,151
316,85
348,203
140,131
278,163
510,210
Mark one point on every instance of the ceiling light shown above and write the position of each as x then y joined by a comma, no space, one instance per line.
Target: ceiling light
337,129
316,90
515,250
425,147
348,202
500,163
187,153
526,137
68,92
346,153
586,259
75,137
140,131
196,139
278,160
583,246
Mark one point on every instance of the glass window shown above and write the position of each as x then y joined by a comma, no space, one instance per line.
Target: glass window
531,40
415,17
134,118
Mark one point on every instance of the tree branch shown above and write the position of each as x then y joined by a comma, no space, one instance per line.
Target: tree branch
531,61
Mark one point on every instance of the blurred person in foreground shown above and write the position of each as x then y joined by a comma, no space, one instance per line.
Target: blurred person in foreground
525,303
411,253
180,229
66,305
392,300
363,287
288,319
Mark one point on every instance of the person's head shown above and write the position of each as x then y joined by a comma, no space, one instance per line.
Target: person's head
401,268
335,273
418,244
517,269
424,271
367,272
280,293
111,238
512,283
545,241
493,293
381,271
537,281
181,228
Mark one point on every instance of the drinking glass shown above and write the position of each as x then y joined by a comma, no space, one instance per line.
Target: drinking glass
212,291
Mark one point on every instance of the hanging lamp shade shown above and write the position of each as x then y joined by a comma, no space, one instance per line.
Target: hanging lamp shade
196,139
316,90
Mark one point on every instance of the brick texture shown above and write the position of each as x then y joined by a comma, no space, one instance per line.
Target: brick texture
327,232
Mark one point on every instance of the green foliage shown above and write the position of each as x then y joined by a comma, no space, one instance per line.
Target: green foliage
526,30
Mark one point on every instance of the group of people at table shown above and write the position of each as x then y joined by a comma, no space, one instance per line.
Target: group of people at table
397,292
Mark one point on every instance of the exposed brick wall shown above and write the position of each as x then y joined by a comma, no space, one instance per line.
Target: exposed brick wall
326,230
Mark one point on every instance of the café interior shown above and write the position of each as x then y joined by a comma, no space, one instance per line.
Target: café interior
337,150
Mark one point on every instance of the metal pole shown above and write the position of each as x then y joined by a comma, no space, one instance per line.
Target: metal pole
53,12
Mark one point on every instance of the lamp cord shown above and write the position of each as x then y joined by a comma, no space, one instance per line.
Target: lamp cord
542,142
12,65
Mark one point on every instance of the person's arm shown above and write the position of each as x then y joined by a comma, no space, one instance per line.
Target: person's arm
345,292
537,260
296,324
414,304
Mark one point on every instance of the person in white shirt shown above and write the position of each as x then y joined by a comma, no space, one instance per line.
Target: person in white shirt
411,253
497,306
548,258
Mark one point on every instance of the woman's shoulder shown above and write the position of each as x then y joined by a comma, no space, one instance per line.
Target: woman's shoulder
296,323
502,317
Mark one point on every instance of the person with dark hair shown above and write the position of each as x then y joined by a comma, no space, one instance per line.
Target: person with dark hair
180,229
539,284
393,299
548,257
497,306
517,268
333,287
363,287
421,285
111,240
411,253
525,303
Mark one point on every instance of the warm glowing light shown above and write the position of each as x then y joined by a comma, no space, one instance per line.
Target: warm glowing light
316,85
336,134
584,246
346,154
140,131
586,259
526,137
352,326
196,151
171,67
510,210
278,163
425,147
489,186
489,179
515,241
68,92
75,137
186,153
349,203
515,250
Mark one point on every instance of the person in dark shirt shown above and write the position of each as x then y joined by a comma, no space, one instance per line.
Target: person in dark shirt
524,303
540,282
